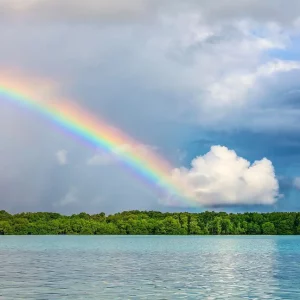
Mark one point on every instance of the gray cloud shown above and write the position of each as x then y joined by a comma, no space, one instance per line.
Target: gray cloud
193,64
268,10
93,10
68,10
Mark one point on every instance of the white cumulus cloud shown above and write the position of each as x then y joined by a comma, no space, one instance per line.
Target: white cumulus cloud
62,157
100,159
70,198
296,183
221,177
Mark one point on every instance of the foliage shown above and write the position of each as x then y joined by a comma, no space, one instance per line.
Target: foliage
150,222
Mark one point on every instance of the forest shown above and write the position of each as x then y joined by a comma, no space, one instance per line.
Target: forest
150,223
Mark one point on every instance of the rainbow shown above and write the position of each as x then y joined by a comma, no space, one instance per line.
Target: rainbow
72,118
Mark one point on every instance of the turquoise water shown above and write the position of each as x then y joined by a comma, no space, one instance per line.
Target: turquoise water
147,267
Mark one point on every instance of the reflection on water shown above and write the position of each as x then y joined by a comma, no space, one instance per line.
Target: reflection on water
145,267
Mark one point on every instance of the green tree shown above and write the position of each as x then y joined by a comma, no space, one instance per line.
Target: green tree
215,226
21,226
150,222
172,226
226,226
5,216
285,227
5,228
253,228
194,227
268,228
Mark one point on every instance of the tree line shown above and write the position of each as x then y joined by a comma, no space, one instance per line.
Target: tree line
150,223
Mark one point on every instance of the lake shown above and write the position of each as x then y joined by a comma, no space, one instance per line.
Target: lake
150,267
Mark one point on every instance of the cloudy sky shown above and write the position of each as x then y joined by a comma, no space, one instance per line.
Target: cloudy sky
211,86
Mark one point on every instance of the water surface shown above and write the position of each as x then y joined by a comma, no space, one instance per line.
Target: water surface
149,267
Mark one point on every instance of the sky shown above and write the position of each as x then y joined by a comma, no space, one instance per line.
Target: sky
211,87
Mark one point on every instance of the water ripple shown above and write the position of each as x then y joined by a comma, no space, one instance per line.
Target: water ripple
147,267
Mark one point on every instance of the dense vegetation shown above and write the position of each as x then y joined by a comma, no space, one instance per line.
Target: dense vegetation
150,222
